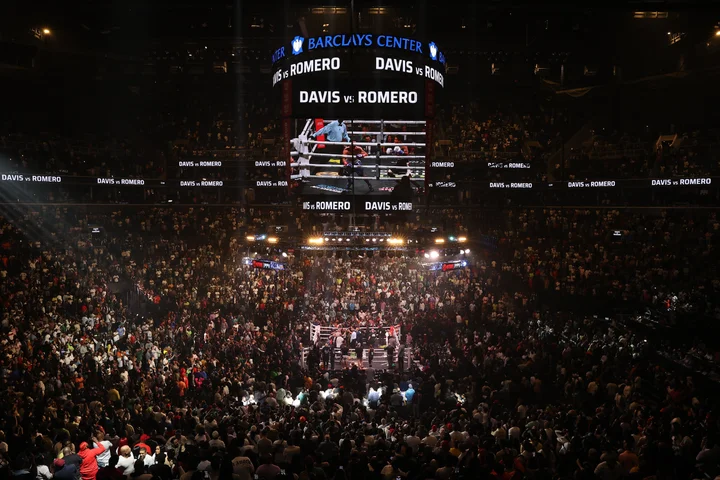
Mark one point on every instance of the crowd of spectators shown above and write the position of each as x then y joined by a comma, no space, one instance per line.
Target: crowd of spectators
617,155
151,349
55,155
139,343
615,256
490,135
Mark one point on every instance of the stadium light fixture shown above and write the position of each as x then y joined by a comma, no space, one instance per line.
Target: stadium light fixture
434,254
395,241
315,240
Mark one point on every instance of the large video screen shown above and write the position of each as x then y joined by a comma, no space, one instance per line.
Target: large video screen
358,110
336,156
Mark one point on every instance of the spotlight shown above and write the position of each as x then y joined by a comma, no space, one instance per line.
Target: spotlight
272,239
315,240
327,239
434,254
250,238
46,31
462,239
439,240
427,255
374,239
467,250
284,254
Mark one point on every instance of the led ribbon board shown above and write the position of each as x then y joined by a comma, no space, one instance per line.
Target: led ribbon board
446,266
269,265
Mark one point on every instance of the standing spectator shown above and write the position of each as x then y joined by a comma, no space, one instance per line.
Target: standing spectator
72,458
43,472
267,470
89,465
126,460
104,458
65,471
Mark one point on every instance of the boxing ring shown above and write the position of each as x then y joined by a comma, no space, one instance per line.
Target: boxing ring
379,154
383,336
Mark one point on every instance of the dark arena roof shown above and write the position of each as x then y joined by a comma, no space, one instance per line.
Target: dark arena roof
359,240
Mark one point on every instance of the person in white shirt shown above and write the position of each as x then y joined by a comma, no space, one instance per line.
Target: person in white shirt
126,460
43,473
104,458
413,441
430,440
147,457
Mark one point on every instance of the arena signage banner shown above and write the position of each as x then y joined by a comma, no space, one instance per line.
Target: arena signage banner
510,165
300,45
358,99
103,182
16,178
268,265
368,66
349,204
201,163
446,266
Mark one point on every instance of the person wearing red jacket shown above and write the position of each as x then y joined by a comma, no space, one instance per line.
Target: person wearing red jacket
89,466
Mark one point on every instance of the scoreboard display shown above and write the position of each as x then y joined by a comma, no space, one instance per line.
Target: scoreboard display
358,109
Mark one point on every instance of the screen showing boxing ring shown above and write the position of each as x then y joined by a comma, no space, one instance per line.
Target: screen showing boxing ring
378,157
358,111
